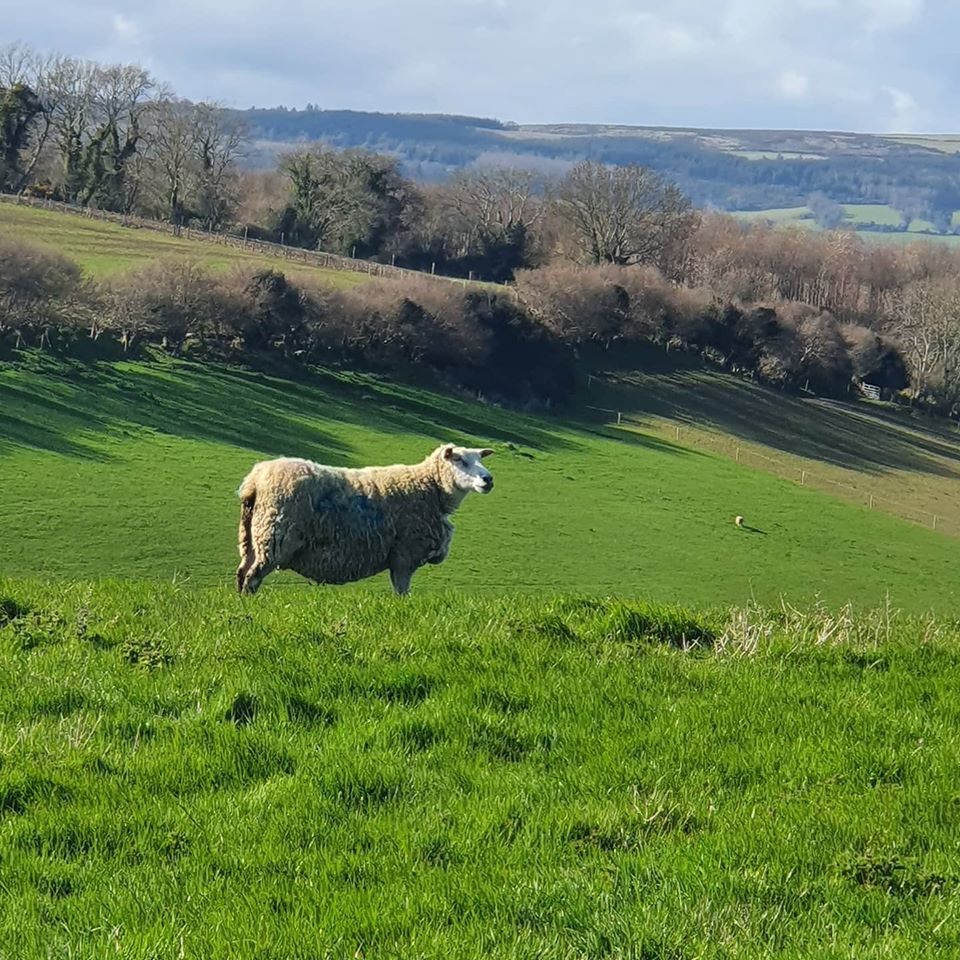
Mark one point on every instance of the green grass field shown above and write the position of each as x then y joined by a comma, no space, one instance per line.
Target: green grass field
794,216
129,470
188,775
909,464
103,249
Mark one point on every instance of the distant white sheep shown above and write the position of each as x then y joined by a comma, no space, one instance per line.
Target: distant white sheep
337,525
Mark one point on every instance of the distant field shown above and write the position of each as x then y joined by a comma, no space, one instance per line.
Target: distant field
884,216
945,143
859,216
800,216
878,213
103,249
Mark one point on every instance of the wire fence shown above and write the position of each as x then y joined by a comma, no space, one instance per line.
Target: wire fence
235,239
800,474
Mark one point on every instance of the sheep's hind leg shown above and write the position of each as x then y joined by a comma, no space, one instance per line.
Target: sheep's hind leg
247,563
276,554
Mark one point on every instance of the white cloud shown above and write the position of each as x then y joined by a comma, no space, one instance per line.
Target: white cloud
907,114
793,85
125,28
656,38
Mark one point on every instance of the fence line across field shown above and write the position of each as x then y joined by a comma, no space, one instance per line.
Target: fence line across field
788,471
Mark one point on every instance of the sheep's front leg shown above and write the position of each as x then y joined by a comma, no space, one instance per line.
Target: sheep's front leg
401,580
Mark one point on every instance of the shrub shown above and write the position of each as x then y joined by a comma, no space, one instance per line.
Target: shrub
576,304
40,290
166,300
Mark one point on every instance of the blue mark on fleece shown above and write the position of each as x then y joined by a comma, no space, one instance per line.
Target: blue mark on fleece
357,510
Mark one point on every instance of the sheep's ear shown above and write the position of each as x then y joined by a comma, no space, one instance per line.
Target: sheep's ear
448,452
485,452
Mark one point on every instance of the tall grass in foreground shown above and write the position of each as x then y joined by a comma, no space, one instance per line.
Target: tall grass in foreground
185,774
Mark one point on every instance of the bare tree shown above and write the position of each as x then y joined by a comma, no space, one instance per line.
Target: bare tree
498,201
625,215
827,213
97,116
218,145
491,218
121,99
926,321
71,88
172,153
346,202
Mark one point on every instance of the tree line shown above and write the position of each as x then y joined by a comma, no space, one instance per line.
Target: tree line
525,343
111,136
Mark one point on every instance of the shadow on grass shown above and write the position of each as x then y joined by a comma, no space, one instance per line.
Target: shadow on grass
852,435
16,432
60,405
62,411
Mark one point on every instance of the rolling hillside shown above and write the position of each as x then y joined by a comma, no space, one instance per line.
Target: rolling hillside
94,452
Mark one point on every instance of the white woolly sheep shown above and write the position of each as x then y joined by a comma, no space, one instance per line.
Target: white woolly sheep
337,525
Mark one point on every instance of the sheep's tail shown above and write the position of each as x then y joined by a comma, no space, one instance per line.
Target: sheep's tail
248,499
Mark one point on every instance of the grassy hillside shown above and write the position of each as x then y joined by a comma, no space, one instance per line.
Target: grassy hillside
185,774
908,464
102,249
129,469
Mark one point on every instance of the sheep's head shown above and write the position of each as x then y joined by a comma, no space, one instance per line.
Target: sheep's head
464,469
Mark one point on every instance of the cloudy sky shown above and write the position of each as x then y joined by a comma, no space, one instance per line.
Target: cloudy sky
866,65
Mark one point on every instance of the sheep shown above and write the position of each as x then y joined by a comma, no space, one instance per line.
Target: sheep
338,525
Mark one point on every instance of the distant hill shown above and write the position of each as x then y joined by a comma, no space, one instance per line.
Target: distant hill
747,170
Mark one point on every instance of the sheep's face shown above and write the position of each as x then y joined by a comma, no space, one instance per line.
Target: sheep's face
467,472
